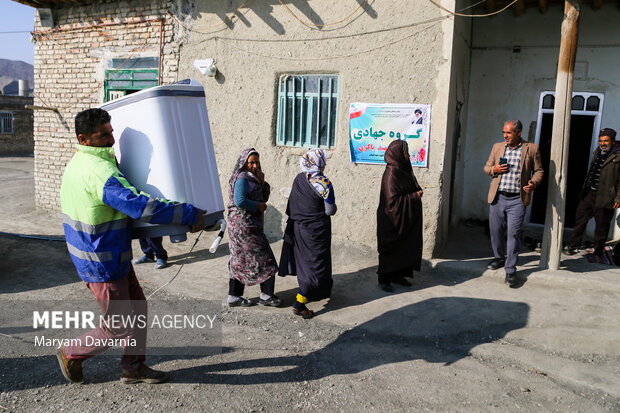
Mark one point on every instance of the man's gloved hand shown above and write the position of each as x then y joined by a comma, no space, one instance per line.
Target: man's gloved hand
200,221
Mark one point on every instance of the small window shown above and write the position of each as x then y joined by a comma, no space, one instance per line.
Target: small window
6,122
308,110
593,103
578,103
119,83
548,102
126,76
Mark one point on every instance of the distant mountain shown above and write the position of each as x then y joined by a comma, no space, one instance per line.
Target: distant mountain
12,70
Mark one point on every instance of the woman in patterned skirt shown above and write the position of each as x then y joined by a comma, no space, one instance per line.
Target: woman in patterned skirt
251,259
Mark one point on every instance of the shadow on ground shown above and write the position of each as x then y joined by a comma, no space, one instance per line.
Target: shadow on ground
360,287
30,264
438,330
468,250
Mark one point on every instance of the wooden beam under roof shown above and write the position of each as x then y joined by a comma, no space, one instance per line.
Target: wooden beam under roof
49,3
491,6
34,3
543,6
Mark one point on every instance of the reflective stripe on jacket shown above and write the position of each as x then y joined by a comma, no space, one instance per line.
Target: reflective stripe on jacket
97,203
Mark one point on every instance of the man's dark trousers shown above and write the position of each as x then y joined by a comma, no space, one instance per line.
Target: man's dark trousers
602,218
505,222
152,247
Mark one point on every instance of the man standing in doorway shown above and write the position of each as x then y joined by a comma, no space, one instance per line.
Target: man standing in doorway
516,169
600,194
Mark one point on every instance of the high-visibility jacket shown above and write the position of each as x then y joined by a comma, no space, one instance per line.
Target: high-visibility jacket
97,203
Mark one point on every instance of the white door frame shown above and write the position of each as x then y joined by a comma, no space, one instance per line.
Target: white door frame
596,127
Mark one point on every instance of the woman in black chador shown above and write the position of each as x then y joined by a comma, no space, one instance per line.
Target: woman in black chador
399,219
307,239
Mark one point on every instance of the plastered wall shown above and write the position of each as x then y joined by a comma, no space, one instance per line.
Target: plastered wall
384,52
513,60
381,55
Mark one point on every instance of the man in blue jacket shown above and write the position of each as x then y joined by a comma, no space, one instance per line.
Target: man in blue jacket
98,204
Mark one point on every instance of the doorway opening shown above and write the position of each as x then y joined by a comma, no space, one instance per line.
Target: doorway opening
583,139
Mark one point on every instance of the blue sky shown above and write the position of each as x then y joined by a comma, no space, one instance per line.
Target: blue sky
16,17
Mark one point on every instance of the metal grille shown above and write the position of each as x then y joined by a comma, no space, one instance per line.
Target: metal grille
119,83
6,122
308,110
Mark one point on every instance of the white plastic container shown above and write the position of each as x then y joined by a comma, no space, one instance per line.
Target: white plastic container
164,148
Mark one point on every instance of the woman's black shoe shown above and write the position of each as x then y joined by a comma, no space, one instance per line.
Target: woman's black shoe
387,287
402,281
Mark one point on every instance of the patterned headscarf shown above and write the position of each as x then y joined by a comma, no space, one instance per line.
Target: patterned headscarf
312,162
239,168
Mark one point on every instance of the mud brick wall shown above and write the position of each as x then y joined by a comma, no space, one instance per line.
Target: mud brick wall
70,63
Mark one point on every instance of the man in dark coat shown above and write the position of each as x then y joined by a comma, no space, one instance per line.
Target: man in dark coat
600,194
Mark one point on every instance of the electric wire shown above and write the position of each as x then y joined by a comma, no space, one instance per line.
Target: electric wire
37,237
453,13
312,25
311,39
357,53
58,239
180,268
217,27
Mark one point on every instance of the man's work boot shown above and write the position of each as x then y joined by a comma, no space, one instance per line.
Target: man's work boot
144,374
511,280
71,369
496,264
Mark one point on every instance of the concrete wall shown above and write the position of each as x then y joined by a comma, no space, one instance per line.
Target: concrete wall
385,52
459,89
21,140
507,83
377,62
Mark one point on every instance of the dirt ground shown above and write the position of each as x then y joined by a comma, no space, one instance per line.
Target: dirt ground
459,340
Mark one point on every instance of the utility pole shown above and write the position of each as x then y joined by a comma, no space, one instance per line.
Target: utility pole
558,164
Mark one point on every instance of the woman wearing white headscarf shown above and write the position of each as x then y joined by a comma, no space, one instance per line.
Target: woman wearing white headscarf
307,239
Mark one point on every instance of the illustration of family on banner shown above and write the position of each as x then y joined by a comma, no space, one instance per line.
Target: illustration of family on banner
372,127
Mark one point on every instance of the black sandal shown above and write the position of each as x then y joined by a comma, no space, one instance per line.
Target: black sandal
241,302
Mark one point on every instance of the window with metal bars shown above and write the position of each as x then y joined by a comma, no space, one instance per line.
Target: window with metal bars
6,122
119,83
308,110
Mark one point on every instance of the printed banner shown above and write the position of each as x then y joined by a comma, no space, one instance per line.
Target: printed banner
372,127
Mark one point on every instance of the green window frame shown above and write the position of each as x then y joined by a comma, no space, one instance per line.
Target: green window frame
6,122
308,110
128,81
